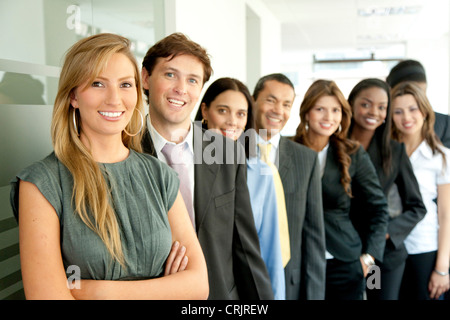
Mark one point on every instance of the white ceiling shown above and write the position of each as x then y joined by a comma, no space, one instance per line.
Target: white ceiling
321,24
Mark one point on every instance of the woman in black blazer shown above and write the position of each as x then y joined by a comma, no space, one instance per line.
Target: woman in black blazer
347,174
371,126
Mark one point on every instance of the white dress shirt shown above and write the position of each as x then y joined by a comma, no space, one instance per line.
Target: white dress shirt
159,142
322,155
323,159
430,172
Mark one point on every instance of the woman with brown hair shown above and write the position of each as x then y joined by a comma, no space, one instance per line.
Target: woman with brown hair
226,108
347,174
426,272
96,203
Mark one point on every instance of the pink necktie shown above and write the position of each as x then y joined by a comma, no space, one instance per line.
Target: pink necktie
174,156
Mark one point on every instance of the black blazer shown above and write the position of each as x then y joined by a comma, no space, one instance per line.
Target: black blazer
224,221
343,240
414,210
300,174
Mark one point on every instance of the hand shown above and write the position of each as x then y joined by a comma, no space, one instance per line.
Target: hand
177,260
438,285
364,267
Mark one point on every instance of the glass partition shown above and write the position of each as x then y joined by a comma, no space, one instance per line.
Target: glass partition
35,35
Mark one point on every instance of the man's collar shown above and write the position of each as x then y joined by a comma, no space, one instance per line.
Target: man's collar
274,140
159,141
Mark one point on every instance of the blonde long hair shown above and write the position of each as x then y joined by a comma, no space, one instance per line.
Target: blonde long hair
344,146
84,61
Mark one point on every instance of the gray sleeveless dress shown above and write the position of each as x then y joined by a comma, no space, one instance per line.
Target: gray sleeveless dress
143,190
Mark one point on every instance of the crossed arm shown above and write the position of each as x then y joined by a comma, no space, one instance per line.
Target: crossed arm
44,275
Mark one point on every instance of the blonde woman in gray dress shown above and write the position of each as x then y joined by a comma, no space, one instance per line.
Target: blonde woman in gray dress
98,205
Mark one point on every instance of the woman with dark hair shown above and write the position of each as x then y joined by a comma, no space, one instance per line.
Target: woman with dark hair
231,127
371,126
347,174
226,108
426,272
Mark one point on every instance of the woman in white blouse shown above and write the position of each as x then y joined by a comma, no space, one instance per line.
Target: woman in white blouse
427,268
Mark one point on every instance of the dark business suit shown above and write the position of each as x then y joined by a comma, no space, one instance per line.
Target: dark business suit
413,210
342,239
442,128
224,221
300,175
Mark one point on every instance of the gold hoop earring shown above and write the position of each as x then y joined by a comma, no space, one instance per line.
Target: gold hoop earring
204,121
142,125
74,118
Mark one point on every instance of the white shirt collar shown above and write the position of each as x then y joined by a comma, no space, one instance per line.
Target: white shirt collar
323,159
424,150
159,141
274,140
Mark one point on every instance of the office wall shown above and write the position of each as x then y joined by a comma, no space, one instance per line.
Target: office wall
433,53
223,28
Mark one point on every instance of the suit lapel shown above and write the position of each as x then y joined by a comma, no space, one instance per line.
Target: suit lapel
206,176
284,159
147,143
331,168
372,150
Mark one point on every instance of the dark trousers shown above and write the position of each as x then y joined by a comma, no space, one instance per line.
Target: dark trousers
344,280
417,274
390,283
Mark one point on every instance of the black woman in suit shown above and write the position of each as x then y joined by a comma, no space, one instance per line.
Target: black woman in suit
371,126
347,174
